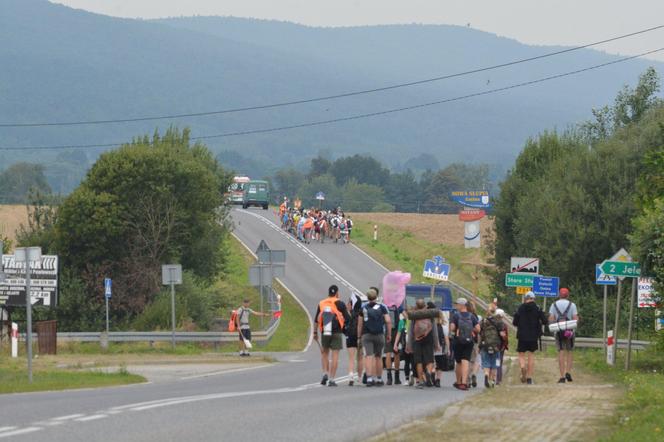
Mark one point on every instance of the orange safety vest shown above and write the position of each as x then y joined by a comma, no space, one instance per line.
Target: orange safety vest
308,223
331,302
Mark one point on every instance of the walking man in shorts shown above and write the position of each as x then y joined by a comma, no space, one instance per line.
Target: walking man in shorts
464,326
330,318
529,320
564,310
373,327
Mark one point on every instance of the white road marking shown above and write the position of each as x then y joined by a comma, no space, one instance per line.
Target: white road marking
68,417
21,431
7,429
215,373
91,418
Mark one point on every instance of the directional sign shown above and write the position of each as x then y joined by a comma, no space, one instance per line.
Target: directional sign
320,196
518,280
546,286
602,279
43,284
436,269
107,287
621,268
647,294
525,265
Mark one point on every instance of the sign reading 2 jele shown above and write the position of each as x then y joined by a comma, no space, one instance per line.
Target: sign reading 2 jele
478,199
621,268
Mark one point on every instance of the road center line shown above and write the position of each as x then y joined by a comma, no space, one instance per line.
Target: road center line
91,418
21,431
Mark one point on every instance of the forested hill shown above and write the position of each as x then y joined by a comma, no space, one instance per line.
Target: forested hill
63,64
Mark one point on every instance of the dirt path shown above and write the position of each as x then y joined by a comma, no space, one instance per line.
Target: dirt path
546,411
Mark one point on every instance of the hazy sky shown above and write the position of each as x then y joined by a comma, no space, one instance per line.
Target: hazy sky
567,22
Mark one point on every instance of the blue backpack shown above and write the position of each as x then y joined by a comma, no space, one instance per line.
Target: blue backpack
374,322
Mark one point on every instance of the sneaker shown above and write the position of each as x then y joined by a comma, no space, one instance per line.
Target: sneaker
370,383
473,381
351,383
331,383
463,387
428,382
457,386
324,380
419,386
486,381
436,383
523,375
568,377
529,381
379,382
397,379
561,380
389,378
492,384
411,382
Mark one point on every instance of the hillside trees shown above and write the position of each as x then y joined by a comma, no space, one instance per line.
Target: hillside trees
573,206
19,180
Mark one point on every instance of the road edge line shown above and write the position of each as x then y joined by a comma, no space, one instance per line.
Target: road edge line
301,304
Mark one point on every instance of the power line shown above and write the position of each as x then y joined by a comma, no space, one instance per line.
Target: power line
359,116
329,97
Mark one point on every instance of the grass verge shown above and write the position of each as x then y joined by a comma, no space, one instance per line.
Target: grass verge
14,378
398,249
639,414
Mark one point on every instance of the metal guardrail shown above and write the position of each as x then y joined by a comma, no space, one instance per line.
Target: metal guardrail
260,336
581,342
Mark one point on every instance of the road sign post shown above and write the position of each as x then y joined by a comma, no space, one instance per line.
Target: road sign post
171,274
615,324
606,289
28,255
632,300
107,296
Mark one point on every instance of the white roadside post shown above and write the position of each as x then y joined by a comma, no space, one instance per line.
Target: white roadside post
375,232
14,340
171,274
28,255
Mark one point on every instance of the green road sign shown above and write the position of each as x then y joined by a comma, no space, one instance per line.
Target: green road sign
621,268
518,280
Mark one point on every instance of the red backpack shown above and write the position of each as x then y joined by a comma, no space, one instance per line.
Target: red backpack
232,323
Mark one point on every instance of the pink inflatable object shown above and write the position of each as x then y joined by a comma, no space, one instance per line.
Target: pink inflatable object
394,288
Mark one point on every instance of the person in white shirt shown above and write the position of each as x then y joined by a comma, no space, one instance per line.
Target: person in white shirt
564,310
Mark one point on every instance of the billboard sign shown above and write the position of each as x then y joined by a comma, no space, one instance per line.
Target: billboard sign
43,282
478,199
647,294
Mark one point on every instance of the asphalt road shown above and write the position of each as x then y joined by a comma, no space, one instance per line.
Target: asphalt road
283,401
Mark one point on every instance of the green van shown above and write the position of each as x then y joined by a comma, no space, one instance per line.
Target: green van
256,193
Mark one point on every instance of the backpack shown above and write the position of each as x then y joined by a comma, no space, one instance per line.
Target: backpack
567,334
465,328
328,313
422,328
232,326
351,327
490,339
374,322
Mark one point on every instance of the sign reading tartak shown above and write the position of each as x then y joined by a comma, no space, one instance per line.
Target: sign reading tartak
43,282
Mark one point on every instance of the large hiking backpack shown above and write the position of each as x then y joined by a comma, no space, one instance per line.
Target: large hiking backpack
465,329
490,339
374,322
422,328
567,334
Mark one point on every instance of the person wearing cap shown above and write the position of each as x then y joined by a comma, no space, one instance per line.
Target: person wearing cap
564,310
331,315
529,320
464,326
372,327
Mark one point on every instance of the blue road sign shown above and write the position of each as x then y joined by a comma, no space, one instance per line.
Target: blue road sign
436,268
603,279
107,287
546,286
478,199
320,196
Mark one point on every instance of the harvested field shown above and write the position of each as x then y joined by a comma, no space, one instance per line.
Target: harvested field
11,217
438,229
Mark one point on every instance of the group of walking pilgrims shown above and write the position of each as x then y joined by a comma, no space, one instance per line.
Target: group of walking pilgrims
430,341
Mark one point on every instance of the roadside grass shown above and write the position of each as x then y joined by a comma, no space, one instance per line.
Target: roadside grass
46,377
400,250
639,416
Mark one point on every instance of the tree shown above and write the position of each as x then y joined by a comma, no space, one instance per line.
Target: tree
364,169
319,166
289,181
361,197
19,180
140,206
